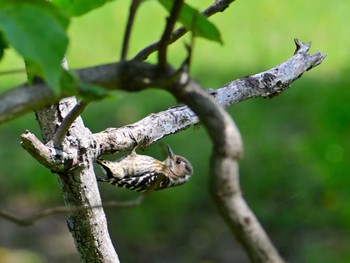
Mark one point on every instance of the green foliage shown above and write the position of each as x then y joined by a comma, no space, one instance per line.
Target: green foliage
195,22
78,7
37,32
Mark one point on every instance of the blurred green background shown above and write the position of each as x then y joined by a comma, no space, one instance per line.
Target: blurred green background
295,172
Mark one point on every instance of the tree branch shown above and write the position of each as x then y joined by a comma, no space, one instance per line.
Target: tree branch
217,6
156,126
164,40
31,220
132,13
67,122
136,75
45,155
225,188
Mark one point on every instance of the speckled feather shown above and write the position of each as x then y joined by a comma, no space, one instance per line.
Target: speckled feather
142,173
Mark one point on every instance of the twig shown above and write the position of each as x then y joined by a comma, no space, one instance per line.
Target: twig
218,6
67,122
30,220
163,44
132,12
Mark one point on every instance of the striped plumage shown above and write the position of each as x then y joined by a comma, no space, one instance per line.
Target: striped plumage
141,172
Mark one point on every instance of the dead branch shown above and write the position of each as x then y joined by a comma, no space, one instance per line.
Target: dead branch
155,126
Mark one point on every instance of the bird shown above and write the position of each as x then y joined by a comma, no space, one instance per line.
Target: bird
143,173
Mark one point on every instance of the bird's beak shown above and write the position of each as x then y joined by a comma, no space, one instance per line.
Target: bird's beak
170,152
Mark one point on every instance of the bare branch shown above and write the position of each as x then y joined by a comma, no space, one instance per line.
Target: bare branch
163,44
156,126
31,220
217,6
47,156
23,99
132,13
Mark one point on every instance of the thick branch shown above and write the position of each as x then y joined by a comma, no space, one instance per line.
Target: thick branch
156,126
138,75
225,188
23,99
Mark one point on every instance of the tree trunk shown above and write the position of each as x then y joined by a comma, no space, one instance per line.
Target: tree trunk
79,187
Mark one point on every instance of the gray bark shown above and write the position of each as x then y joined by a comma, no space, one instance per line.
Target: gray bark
78,182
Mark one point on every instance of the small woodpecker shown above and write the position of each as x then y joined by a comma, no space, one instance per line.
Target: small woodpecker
144,173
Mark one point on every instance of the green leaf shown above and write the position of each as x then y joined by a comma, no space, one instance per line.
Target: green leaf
194,21
37,32
78,7
44,5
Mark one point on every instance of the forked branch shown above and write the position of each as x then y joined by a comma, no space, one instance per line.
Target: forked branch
217,6
156,126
